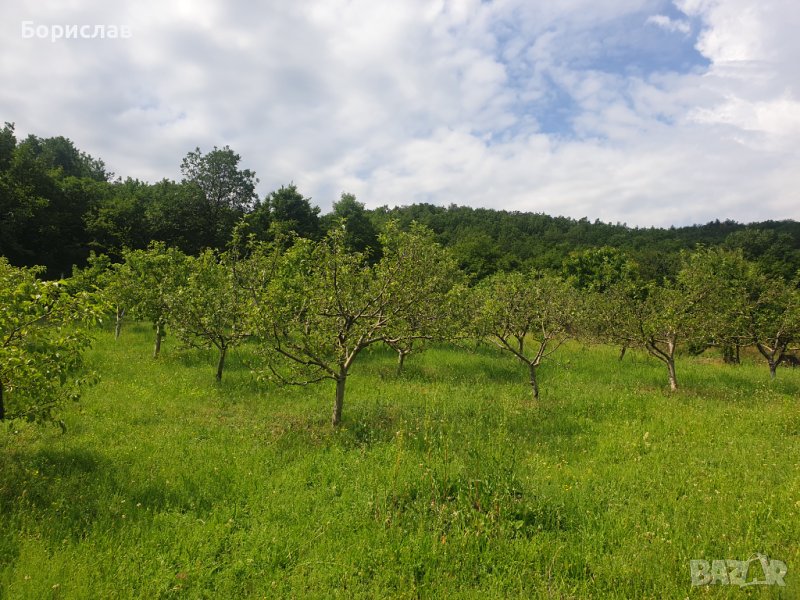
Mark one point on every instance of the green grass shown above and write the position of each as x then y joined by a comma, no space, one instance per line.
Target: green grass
443,483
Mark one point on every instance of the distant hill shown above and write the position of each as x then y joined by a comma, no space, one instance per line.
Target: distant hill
486,240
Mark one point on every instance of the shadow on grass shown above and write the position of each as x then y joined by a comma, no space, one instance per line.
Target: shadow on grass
65,494
439,364
236,360
425,429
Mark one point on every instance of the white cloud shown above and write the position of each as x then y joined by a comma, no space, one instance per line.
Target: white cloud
441,101
673,25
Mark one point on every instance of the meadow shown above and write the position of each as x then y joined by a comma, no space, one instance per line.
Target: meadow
443,482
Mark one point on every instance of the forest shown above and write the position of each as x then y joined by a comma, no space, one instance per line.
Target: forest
58,204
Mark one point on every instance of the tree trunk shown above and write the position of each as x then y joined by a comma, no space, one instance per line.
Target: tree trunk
2,406
118,326
534,382
773,357
337,406
221,362
730,354
622,352
727,354
159,335
673,379
401,357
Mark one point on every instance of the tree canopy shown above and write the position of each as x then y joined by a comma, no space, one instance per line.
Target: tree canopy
41,343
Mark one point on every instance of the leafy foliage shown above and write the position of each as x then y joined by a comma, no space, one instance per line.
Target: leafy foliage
148,280
317,291
658,317
57,202
227,192
325,304
322,310
210,309
518,310
772,318
430,290
290,212
41,343
596,269
361,233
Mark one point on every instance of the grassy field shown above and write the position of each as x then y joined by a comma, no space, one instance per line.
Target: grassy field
443,483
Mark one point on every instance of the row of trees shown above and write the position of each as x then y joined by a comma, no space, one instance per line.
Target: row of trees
312,307
57,202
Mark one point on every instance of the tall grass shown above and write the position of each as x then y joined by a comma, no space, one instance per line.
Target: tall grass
445,482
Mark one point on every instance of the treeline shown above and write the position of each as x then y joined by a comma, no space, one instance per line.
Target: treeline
57,204
487,240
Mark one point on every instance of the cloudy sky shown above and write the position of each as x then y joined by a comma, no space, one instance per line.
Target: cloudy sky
647,112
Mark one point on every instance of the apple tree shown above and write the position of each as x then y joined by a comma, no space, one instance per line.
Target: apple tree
43,336
529,315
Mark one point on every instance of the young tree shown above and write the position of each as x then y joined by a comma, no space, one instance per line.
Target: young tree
111,281
516,309
324,309
119,288
210,309
153,276
772,318
741,304
42,339
431,291
722,278
655,317
325,305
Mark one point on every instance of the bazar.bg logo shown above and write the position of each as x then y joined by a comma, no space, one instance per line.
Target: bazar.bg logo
756,570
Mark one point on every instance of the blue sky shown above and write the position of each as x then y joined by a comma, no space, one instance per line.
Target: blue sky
647,112
632,46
